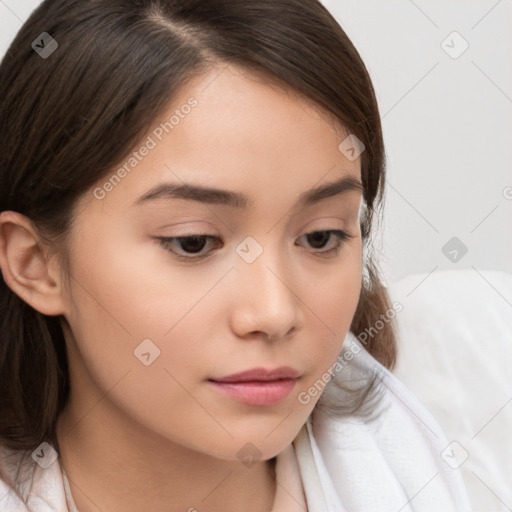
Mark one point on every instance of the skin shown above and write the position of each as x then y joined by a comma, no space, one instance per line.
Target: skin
158,437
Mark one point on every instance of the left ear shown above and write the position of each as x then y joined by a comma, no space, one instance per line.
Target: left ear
25,267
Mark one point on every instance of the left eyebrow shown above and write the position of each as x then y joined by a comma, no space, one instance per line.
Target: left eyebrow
232,199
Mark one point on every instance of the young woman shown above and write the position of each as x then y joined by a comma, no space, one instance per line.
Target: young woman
191,318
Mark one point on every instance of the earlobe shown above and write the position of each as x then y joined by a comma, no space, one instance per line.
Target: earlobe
24,266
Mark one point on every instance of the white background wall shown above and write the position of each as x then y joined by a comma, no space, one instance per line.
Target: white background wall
447,127
447,124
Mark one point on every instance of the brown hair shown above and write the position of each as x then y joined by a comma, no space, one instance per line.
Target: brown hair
67,119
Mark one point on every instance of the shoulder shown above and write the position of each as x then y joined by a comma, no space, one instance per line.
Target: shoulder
393,457
27,486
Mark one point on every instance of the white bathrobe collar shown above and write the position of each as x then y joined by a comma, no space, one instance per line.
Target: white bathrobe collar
390,462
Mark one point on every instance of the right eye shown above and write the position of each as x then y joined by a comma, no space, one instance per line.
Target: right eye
190,244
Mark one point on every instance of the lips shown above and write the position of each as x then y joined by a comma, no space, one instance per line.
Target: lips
258,386
260,374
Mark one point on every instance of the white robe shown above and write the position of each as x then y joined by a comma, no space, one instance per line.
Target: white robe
397,460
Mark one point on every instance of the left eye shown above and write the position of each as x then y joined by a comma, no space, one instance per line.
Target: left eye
321,237
194,244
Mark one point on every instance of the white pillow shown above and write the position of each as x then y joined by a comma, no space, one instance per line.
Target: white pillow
455,354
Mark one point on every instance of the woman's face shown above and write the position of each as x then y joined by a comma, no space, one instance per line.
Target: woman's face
154,321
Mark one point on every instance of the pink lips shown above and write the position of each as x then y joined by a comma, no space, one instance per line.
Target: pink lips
258,386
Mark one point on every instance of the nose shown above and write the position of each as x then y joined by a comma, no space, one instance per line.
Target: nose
266,301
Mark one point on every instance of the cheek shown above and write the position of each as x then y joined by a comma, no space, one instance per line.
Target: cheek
127,302
125,306
332,303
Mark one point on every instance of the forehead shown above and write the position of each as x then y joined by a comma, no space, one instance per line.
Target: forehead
232,128
237,96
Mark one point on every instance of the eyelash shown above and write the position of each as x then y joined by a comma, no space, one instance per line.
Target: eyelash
167,242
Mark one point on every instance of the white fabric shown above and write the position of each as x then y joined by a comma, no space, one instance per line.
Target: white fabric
390,462
455,354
